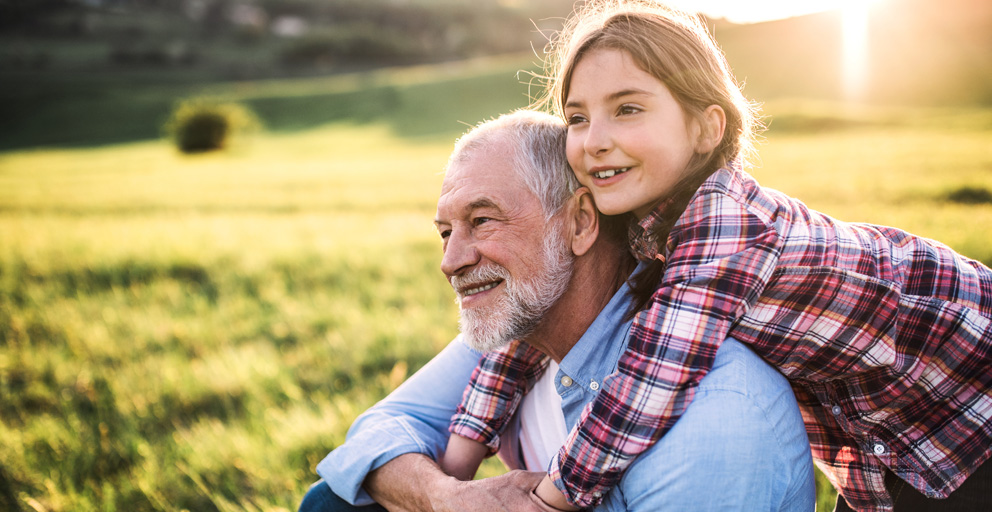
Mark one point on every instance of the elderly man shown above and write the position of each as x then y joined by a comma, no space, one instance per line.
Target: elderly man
530,259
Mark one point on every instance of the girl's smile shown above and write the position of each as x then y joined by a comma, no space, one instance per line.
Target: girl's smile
629,139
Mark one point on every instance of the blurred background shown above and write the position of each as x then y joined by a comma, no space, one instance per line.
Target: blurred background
216,244
129,61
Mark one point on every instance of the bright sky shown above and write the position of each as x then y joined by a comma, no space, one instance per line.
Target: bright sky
745,11
855,28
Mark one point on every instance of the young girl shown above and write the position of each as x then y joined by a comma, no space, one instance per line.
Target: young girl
886,337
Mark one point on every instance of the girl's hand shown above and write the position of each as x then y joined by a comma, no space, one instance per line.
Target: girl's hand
551,496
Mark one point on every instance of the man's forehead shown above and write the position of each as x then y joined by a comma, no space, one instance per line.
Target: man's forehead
482,181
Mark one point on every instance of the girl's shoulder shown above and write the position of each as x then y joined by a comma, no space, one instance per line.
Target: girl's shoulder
733,187
733,181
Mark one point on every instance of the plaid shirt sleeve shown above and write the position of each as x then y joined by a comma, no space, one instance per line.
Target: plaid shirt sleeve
720,256
498,383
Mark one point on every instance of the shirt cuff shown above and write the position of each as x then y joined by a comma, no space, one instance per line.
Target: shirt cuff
575,497
473,428
345,468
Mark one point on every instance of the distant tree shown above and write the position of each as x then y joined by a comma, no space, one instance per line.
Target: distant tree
200,125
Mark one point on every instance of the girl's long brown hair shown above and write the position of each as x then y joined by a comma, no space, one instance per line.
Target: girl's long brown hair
677,49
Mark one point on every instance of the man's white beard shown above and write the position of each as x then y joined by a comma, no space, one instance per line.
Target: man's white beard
517,311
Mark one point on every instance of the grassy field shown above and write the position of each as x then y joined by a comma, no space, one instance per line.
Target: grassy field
195,333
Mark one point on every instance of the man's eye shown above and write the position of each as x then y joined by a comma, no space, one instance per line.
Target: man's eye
445,234
478,221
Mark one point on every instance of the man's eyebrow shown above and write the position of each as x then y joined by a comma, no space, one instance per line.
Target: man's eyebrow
483,202
612,96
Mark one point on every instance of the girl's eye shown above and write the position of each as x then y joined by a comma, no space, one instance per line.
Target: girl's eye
576,119
626,110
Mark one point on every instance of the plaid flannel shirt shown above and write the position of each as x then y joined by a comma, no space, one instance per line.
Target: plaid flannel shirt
886,338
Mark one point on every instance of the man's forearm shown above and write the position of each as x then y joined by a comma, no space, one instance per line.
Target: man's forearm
412,419
406,483
415,483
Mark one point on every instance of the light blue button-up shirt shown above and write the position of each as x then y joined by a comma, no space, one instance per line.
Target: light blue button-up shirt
740,446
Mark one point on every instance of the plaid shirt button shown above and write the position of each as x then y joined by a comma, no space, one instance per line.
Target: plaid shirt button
879,449
836,410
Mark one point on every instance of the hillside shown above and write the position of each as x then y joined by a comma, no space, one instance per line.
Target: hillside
116,81
919,52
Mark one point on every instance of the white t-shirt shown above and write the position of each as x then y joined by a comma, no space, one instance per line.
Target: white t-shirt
542,430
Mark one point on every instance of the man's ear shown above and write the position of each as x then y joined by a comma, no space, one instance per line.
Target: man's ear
711,126
585,222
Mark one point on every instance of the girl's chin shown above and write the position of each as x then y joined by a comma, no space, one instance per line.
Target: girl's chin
611,204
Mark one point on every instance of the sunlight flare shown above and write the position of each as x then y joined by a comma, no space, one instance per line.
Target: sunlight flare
855,50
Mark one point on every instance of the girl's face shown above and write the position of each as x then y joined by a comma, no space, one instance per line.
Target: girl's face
628,139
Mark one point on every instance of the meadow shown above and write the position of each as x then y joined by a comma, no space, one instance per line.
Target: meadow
197,332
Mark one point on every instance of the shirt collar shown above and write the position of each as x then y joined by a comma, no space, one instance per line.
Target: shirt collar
596,353
641,233
643,241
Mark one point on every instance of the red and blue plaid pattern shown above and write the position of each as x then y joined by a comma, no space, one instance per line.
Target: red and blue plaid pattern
495,391
886,338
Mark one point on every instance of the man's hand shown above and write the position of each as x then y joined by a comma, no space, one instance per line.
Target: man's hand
415,483
511,492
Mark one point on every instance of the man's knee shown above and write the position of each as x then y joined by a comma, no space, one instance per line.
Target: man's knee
320,498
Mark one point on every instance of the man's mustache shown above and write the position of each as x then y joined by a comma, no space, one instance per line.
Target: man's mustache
478,277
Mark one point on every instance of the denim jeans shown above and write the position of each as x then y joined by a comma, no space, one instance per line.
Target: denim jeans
320,498
974,495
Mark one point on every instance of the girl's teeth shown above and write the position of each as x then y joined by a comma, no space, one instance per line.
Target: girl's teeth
610,173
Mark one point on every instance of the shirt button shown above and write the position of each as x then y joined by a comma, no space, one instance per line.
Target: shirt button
836,410
879,448
597,494
566,381
593,385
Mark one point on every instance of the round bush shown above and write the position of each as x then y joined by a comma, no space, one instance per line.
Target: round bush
203,125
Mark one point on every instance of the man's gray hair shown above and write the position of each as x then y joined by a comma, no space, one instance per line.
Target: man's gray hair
535,142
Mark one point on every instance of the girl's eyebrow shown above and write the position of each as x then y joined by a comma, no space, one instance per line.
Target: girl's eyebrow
628,92
612,96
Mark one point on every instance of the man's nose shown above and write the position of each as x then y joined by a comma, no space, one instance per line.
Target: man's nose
460,253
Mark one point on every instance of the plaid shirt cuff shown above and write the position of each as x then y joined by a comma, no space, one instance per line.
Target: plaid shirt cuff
472,428
576,497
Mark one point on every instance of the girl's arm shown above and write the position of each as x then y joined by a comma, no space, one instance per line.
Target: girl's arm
722,258
462,457
497,385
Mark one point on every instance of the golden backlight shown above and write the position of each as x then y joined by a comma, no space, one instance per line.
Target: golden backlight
855,25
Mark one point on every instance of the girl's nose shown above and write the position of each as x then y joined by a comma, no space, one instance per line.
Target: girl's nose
598,141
